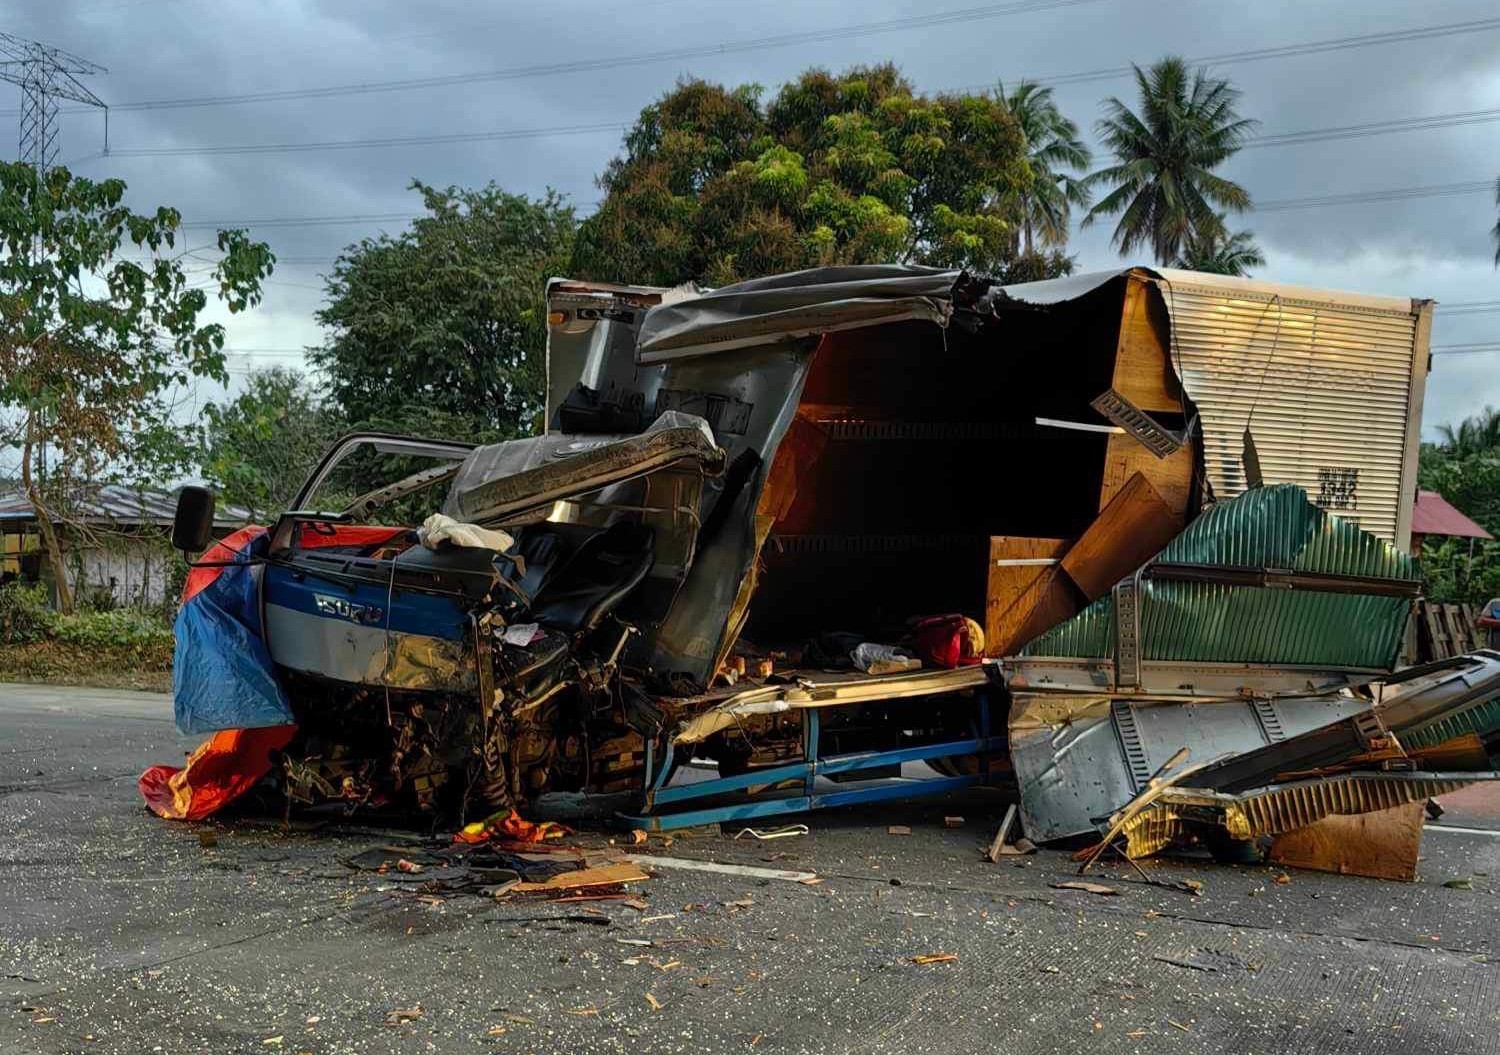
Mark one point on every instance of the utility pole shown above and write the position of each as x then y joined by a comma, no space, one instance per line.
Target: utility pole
45,75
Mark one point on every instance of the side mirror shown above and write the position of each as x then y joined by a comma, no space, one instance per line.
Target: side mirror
193,525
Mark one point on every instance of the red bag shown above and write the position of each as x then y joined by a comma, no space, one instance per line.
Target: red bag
948,641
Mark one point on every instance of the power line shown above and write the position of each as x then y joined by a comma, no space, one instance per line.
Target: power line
1313,47
391,141
833,33
1375,128
303,221
1438,190
1475,348
1314,135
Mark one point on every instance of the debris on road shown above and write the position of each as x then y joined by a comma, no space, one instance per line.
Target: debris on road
1086,887
934,957
763,834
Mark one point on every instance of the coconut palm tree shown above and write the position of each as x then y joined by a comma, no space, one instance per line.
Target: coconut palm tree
1052,145
1479,434
1217,251
1163,181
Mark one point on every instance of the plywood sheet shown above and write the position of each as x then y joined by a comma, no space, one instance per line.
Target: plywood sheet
1129,531
1143,369
1172,476
1020,596
599,875
1381,845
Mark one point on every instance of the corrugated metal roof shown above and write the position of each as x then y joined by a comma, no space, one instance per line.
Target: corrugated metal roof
1270,527
116,504
1433,515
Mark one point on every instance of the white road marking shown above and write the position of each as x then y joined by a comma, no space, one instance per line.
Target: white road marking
1462,830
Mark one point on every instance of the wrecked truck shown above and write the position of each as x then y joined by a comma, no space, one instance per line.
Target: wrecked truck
1082,525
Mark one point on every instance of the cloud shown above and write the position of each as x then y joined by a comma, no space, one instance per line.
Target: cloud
163,49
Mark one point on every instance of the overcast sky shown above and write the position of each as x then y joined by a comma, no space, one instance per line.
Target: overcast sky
1431,246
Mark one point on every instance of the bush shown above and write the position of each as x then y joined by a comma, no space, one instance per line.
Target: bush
25,616
123,628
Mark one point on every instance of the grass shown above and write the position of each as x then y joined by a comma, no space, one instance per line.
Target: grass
62,663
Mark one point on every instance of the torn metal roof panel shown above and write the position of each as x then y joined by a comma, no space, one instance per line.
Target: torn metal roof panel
1339,599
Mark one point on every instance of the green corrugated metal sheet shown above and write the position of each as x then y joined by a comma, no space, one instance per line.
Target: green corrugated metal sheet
1270,527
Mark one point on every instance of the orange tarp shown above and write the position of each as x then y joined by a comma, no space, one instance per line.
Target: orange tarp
226,766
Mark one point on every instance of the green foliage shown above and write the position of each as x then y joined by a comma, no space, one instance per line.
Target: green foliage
25,615
26,618
1163,183
123,628
1215,250
715,186
259,447
92,342
1465,469
440,330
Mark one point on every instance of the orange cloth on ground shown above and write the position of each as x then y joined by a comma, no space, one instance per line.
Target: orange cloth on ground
509,825
224,767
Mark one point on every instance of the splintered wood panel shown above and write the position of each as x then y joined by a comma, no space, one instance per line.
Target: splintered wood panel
1020,596
1143,368
1171,477
1129,531
1381,845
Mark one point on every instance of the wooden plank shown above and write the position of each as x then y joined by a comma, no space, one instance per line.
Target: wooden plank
1453,623
1129,531
1172,476
1143,370
600,875
1471,627
1437,637
1015,592
1382,845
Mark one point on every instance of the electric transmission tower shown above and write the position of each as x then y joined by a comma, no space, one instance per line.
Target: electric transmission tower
45,75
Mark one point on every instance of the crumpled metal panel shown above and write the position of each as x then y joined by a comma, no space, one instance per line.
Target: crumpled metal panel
1270,527
1079,758
1282,808
503,479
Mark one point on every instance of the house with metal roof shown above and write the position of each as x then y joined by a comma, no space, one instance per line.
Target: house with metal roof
115,541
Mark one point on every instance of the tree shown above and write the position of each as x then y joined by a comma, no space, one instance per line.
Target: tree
1478,435
1465,469
1164,185
440,330
94,346
1045,208
714,185
1217,251
260,446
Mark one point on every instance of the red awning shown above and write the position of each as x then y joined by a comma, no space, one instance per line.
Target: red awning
1434,516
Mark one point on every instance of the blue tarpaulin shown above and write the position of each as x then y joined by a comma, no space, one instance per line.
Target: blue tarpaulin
222,675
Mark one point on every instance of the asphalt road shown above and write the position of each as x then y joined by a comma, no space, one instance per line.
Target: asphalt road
123,933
